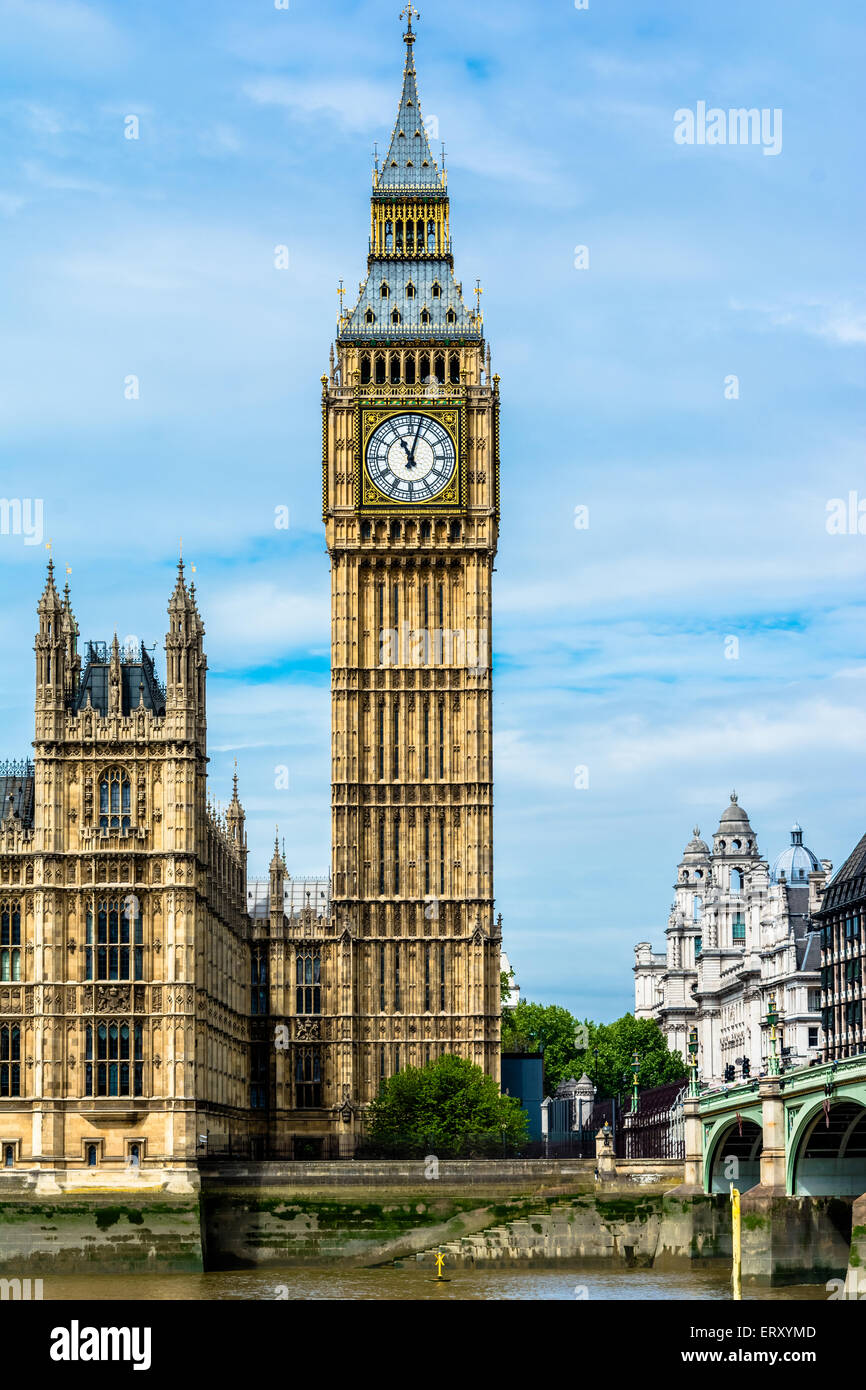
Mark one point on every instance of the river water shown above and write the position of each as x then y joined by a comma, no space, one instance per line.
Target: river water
413,1281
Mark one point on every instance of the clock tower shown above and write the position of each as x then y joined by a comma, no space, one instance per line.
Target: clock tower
411,510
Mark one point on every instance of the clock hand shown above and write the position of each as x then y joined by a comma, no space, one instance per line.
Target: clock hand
410,461
417,432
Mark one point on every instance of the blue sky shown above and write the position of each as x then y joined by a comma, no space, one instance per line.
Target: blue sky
707,515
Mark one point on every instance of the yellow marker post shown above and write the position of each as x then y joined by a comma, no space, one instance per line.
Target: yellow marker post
440,1264
737,1242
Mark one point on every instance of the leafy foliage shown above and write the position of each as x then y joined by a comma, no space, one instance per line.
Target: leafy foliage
569,1047
448,1107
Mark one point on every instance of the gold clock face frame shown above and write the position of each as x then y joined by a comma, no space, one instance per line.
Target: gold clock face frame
448,421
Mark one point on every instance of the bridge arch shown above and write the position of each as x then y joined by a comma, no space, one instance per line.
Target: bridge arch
725,1142
827,1153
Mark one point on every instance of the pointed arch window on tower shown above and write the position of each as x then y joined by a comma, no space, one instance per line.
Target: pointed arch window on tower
365,369
308,981
10,941
410,370
454,368
380,369
399,237
395,318
431,235
10,1060
119,941
369,317
437,290
451,316
383,290
259,980
425,318
114,800
410,290
410,225
389,234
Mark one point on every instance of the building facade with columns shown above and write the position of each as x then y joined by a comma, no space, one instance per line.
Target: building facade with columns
740,933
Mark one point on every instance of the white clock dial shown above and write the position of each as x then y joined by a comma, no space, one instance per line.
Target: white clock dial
411,458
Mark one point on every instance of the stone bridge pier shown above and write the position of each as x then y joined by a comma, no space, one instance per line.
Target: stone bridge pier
795,1146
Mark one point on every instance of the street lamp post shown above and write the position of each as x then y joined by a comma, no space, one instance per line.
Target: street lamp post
694,1088
772,1020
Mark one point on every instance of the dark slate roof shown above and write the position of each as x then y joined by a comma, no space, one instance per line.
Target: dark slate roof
138,681
409,165
848,885
809,952
422,276
17,791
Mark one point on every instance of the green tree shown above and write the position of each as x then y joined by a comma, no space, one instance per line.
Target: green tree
569,1047
616,1042
546,1028
449,1106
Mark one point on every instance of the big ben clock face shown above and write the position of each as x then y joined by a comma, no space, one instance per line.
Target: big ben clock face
411,458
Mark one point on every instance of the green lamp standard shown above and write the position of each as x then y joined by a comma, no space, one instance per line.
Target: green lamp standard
635,1068
772,1020
694,1088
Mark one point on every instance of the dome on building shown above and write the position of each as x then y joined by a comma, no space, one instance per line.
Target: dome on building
734,816
796,862
696,846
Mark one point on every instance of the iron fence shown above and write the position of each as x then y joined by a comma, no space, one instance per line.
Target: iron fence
656,1127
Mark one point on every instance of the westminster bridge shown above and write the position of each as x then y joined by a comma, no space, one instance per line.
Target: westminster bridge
800,1133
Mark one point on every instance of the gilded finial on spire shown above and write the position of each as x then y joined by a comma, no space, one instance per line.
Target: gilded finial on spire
406,13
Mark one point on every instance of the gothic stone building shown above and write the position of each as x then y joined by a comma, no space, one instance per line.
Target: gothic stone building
150,994
124,937
739,932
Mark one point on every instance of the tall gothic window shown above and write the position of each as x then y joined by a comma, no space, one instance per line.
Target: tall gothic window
442,858
10,1060
10,940
114,1059
114,800
441,740
308,981
395,720
426,857
259,980
259,1077
119,943
426,740
308,1078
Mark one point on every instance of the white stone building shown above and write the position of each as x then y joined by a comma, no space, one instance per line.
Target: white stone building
738,931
